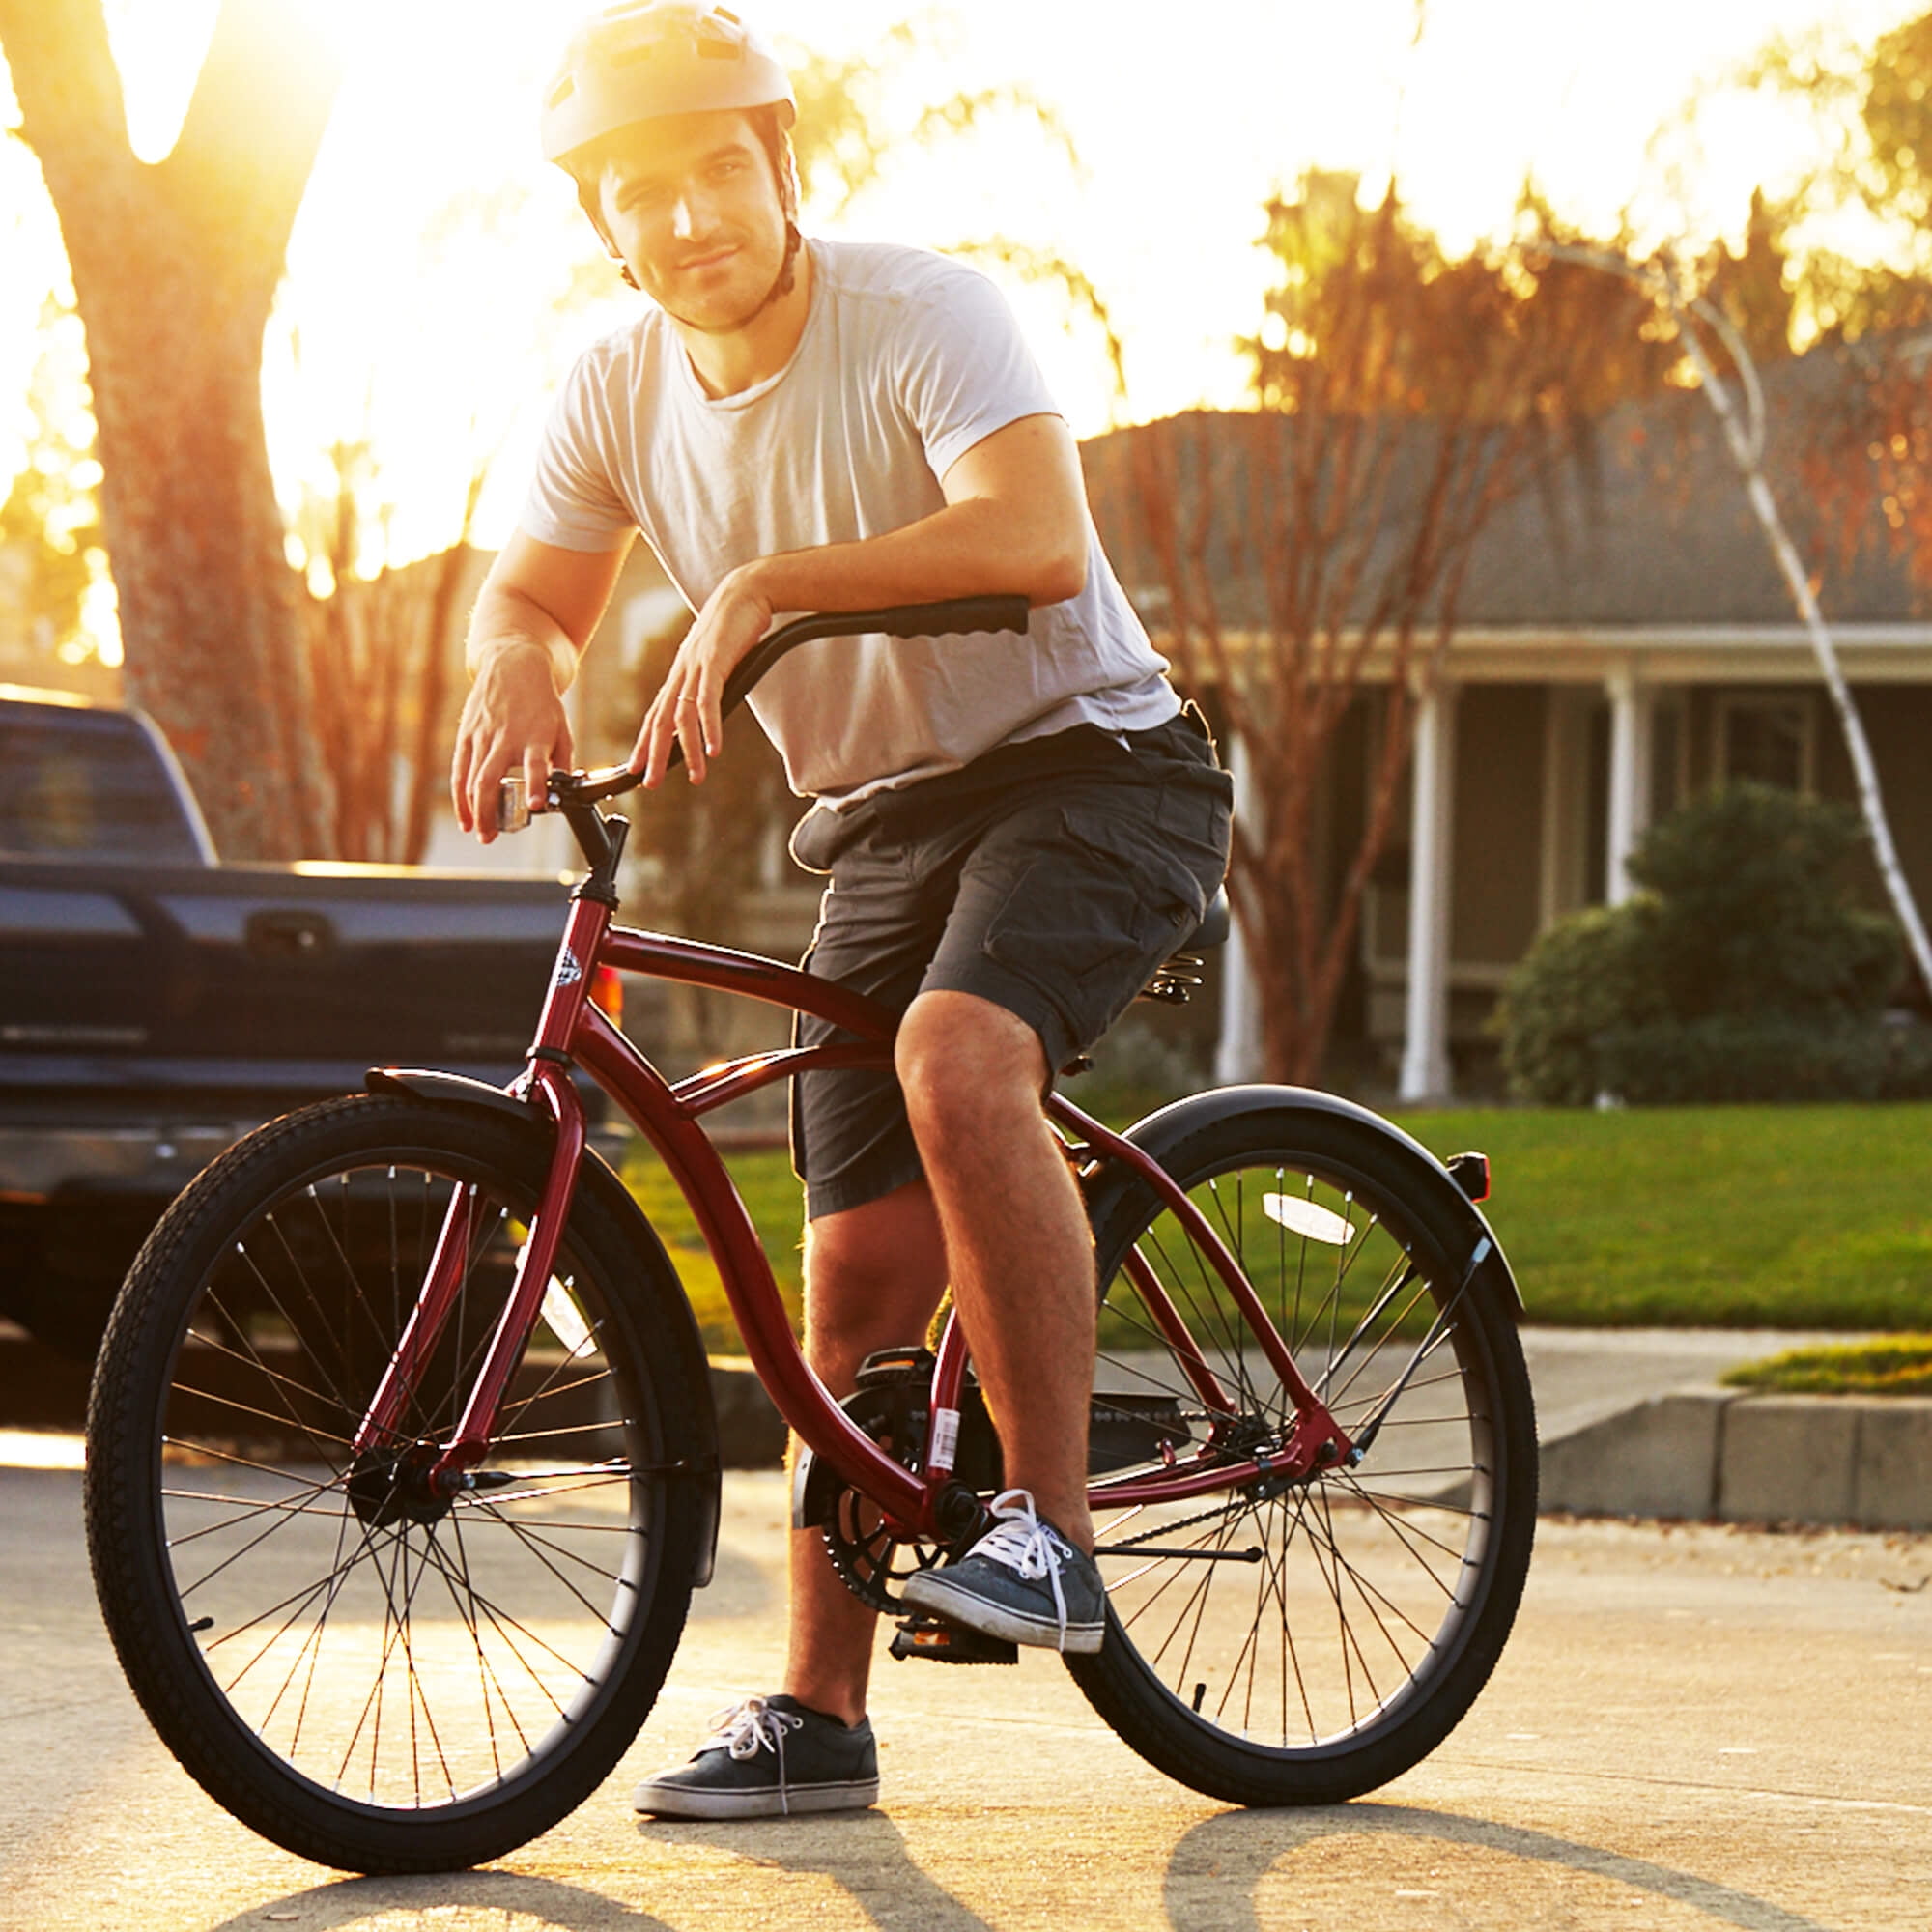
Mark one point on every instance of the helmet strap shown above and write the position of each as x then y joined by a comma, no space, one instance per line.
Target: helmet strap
787,276
784,169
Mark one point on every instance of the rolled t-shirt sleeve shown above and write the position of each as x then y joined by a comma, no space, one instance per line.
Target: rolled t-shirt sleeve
963,368
572,502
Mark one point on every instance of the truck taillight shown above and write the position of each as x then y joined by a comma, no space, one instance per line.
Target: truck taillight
607,993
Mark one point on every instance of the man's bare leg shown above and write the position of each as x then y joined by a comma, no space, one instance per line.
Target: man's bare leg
1021,1263
873,1277
1017,1243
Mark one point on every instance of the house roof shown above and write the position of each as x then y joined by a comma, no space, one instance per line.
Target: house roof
1645,524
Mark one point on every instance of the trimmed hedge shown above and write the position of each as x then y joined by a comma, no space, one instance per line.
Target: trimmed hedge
1745,970
1733,1057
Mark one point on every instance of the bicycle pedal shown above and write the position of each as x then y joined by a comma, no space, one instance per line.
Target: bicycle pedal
941,1642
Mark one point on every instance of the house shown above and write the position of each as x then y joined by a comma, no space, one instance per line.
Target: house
1623,639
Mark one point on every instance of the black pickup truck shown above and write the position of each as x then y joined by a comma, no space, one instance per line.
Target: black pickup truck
155,1004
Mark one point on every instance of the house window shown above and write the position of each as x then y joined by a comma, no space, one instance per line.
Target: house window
1769,739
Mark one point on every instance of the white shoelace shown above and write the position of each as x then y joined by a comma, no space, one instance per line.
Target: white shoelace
1024,1545
746,1729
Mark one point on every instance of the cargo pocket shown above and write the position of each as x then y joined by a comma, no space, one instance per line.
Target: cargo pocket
1092,915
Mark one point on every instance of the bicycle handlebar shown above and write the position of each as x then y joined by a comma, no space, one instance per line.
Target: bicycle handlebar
956,617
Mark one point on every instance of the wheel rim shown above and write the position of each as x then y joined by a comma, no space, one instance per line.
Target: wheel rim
399,1650
1300,1618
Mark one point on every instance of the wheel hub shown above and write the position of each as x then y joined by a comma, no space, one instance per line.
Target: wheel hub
387,1487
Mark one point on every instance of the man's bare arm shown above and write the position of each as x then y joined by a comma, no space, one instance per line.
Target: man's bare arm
1015,519
533,616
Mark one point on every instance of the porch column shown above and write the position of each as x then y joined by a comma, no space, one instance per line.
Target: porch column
1425,1053
1632,706
1237,1052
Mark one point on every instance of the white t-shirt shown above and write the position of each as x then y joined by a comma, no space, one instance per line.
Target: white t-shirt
906,361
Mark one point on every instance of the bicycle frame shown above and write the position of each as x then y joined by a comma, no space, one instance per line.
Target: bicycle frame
573,1031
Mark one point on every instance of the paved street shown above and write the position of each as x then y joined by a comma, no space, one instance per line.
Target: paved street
1692,1727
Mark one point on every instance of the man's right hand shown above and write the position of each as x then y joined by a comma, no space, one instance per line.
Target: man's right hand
513,721
536,612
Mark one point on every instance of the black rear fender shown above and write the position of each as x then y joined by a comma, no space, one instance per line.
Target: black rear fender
1426,1186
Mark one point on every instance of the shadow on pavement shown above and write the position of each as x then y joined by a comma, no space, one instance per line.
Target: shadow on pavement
1234,1852
1212,1878
352,1901
862,1852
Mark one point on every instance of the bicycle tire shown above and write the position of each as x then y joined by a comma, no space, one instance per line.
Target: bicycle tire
371,1677
1306,1643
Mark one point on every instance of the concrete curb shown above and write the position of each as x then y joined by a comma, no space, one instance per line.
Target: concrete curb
1719,1454
751,1432
1697,1453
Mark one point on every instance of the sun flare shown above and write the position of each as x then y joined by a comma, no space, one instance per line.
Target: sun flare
440,281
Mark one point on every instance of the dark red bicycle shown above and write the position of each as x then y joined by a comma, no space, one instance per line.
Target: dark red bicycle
402,1463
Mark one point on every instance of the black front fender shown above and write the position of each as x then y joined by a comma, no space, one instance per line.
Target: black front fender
456,1088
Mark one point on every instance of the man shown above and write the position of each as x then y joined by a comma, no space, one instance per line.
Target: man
1017,827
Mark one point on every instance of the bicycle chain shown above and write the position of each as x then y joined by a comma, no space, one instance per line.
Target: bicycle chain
1186,1522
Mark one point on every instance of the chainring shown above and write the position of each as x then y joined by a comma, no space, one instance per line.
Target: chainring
863,1551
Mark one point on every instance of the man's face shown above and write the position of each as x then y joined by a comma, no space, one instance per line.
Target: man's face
693,207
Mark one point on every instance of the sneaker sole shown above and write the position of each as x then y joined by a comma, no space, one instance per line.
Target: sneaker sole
668,1801
929,1592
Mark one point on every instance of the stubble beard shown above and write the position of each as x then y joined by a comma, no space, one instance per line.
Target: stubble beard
743,312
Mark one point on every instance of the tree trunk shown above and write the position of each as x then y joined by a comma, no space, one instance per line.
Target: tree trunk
175,268
209,619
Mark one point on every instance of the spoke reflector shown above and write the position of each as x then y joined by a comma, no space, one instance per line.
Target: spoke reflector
1308,1217
564,1319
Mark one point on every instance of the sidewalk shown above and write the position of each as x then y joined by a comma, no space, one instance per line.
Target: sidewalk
1631,1422
1639,1760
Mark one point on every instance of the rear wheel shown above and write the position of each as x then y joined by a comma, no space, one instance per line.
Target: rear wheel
372,1674
1303,1642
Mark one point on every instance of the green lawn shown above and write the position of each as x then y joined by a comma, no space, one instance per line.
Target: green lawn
1811,1217
1898,1365
765,1182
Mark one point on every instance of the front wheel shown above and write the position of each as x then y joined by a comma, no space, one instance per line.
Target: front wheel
376,1676
1301,1642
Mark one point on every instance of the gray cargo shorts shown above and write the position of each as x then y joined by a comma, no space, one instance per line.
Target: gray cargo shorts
1051,877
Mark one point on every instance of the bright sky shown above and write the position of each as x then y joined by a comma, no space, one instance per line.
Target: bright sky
437,333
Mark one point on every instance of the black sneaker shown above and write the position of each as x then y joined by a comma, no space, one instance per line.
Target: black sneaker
769,1757
1022,1581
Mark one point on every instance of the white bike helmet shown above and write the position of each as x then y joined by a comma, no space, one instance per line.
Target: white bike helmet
639,60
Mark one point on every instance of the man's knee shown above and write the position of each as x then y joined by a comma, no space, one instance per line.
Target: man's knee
965,1063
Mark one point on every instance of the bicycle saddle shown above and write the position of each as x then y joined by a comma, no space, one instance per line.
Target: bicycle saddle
1214,922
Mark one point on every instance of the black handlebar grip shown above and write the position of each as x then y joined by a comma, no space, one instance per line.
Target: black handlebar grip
954,616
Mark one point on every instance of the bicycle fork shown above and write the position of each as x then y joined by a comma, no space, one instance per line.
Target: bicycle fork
548,1091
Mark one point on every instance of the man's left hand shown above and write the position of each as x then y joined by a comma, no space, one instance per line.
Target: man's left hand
689,708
